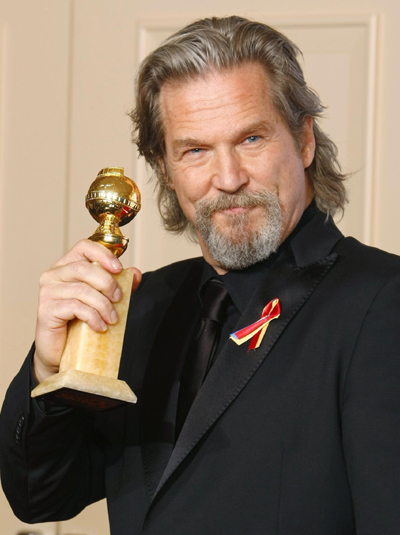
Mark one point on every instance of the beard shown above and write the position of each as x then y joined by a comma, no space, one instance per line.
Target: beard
238,244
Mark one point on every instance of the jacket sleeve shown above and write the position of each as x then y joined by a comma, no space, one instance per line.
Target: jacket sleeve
51,463
371,417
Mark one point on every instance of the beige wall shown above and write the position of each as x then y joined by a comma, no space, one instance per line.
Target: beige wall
66,82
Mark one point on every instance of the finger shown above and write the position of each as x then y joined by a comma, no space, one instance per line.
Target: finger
51,297
69,309
92,252
137,278
85,272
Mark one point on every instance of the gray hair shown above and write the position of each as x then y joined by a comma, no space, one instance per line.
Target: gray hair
224,43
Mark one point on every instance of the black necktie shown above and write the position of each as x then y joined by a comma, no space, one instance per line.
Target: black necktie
202,352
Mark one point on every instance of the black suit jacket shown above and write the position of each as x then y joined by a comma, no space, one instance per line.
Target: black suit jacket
298,437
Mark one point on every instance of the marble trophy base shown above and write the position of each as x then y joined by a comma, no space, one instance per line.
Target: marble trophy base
88,375
87,390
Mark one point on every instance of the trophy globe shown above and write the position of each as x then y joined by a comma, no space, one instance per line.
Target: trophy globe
113,200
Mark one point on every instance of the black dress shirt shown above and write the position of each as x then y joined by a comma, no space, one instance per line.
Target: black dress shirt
242,284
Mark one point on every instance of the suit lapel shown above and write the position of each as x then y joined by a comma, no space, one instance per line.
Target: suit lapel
292,278
160,390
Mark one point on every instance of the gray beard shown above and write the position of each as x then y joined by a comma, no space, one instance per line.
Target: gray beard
243,247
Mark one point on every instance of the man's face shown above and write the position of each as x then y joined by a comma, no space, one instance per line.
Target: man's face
224,140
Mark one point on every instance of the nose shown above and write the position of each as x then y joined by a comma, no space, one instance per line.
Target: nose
229,175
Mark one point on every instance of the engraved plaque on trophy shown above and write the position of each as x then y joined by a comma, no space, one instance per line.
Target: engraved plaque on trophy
88,375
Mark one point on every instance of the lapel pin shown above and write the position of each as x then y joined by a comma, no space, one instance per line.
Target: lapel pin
256,330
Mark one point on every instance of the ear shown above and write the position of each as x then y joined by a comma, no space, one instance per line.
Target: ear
308,143
167,179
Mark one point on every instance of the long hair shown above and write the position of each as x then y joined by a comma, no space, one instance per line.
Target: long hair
224,43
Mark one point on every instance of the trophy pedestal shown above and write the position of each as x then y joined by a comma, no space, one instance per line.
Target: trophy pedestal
87,390
88,376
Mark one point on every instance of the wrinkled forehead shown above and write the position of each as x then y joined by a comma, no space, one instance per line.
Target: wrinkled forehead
213,87
240,97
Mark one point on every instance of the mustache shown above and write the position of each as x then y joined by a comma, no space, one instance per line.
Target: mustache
242,199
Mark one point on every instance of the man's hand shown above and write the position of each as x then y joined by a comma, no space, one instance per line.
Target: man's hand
75,287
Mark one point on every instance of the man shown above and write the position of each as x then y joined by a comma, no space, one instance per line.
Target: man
296,434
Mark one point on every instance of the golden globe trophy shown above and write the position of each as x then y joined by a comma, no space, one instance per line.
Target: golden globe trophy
88,375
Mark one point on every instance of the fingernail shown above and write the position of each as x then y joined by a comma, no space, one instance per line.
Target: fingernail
103,325
117,294
116,264
114,317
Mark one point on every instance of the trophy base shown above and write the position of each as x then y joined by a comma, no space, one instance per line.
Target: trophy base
85,390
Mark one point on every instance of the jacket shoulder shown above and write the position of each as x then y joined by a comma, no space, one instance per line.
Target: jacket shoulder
352,248
169,278
365,264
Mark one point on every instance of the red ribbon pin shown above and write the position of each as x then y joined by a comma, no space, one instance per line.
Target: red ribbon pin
256,330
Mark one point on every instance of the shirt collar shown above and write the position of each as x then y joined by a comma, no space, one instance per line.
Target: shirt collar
242,284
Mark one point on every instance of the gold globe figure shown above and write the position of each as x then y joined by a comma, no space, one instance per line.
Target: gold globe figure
88,374
113,200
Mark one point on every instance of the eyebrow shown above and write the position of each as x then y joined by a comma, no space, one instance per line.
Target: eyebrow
185,143
258,126
189,142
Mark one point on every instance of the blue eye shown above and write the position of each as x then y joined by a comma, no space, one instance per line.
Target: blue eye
195,151
252,139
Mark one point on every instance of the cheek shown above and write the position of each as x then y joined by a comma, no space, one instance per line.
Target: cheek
265,174
189,185
187,199
293,188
